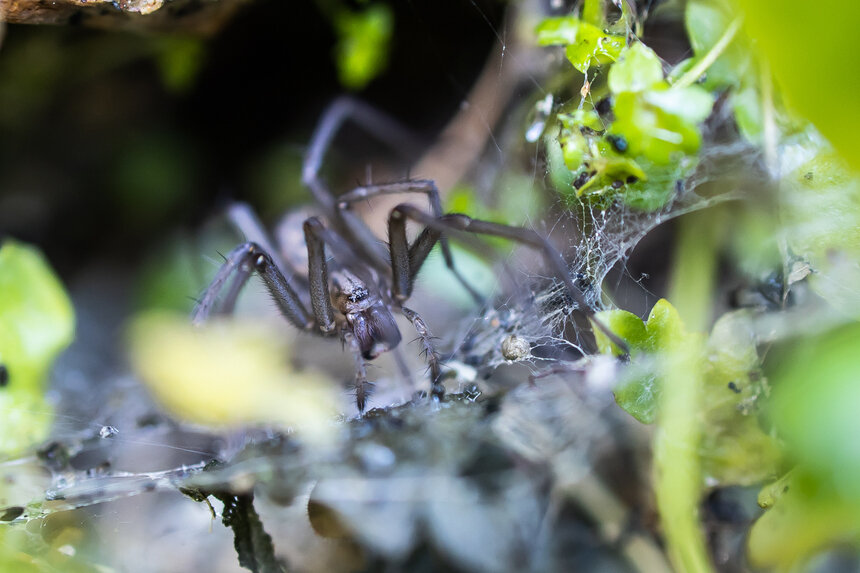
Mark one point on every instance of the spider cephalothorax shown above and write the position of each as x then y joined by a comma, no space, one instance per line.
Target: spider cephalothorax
367,317
357,294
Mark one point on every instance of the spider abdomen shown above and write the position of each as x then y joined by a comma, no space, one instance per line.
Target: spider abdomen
375,330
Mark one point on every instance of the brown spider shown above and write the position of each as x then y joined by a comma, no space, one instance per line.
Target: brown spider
355,293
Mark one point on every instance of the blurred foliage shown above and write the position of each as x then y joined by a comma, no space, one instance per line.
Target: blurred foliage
734,450
229,374
820,75
36,323
363,45
814,408
364,37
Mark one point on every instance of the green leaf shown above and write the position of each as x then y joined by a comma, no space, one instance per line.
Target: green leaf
36,323
664,328
652,128
707,21
593,47
638,69
559,31
626,325
638,392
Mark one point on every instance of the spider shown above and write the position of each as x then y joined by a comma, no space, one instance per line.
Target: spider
355,293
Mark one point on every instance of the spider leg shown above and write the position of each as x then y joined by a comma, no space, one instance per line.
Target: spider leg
363,388
245,221
318,275
240,260
426,186
404,274
228,302
341,109
433,360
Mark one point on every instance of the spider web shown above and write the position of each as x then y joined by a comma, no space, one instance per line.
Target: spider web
595,240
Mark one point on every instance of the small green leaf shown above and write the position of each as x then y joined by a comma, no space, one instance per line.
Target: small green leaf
655,132
638,392
593,47
626,325
637,69
664,327
746,103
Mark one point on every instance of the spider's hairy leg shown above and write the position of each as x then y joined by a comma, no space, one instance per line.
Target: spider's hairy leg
433,361
426,186
243,218
363,388
241,260
464,223
318,276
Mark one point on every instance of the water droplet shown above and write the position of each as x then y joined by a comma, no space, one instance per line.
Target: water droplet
542,110
534,131
108,432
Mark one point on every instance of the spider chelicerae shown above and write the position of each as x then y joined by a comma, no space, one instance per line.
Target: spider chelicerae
355,291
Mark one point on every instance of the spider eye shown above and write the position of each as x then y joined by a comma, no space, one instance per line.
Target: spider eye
358,295
4,376
261,262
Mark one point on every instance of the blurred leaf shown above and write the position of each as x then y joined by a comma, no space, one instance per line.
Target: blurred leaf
819,76
820,212
707,21
229,374
179,60
558,31
734,448
364,39
805,516
36,324
815,403
637,70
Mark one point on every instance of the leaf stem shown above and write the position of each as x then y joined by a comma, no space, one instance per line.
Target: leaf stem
677,469
694,73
